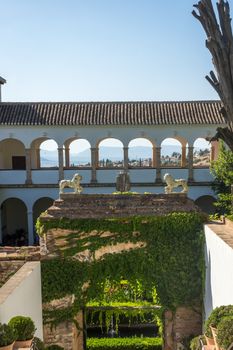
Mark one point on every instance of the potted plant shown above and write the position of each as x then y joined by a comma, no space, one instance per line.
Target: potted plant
225,333
24,329
213,320
7,337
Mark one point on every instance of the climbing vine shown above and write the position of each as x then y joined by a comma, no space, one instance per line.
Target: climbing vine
167,258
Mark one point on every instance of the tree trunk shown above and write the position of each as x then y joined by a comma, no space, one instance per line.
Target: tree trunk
220,44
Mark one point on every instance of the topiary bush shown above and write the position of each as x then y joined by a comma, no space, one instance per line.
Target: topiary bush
24,327
225,332
124,344
7,335
216,316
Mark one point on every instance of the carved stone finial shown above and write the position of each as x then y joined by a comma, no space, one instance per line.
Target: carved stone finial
173,183
74,183
123,182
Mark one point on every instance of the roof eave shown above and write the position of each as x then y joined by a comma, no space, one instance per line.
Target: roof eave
2,81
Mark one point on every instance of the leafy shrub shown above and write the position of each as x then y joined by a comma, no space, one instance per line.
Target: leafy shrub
195,342
54,347
24,327
225,332
222,170
124,344
39,345
216,316
7,335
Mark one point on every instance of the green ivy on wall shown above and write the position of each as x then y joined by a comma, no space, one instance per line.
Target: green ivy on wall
170,261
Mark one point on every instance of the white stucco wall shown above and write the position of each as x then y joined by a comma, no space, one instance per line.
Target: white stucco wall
219,272
21,295
10,148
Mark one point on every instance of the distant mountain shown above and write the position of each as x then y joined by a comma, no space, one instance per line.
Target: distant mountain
50,158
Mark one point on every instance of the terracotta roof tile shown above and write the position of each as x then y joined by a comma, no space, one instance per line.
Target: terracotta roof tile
110,113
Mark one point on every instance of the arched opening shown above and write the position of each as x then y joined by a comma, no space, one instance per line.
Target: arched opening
171,153
39,207
12,155
78,154
14,222
140,153
206,203
201,153
44,153
48,154
110,153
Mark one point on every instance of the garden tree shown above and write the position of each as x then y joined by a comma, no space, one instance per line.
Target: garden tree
222,170
220,44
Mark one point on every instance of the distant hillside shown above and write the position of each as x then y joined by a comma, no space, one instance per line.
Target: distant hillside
50,158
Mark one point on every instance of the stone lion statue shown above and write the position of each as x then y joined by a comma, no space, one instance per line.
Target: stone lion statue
74,183
173,183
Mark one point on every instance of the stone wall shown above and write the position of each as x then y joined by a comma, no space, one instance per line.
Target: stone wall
62,335
12,258
75,206
184,322
65,334
8,269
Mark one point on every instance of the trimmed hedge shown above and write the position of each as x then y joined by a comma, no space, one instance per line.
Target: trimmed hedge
124,343
216,316
225,332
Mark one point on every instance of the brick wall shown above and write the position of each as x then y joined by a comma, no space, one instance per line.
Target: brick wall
75,206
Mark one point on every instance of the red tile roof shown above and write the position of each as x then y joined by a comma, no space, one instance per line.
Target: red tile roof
111,113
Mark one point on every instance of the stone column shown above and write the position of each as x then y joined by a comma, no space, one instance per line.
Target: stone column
67,157
37,158
28,166
214,150
158,164
30,228
168,330
78,335
183,157
60,164
1,237
190,163
94,160
153,157
126,158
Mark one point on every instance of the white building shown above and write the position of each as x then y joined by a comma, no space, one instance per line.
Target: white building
27,187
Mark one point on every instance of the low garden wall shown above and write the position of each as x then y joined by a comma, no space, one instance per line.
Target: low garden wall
21,294
219,265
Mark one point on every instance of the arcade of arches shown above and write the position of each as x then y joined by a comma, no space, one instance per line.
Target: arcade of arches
16,219
109,152
77,153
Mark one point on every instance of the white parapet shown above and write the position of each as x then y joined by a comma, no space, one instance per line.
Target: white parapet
219,267
21,296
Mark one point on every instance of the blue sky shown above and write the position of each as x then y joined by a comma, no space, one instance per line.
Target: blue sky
107,50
